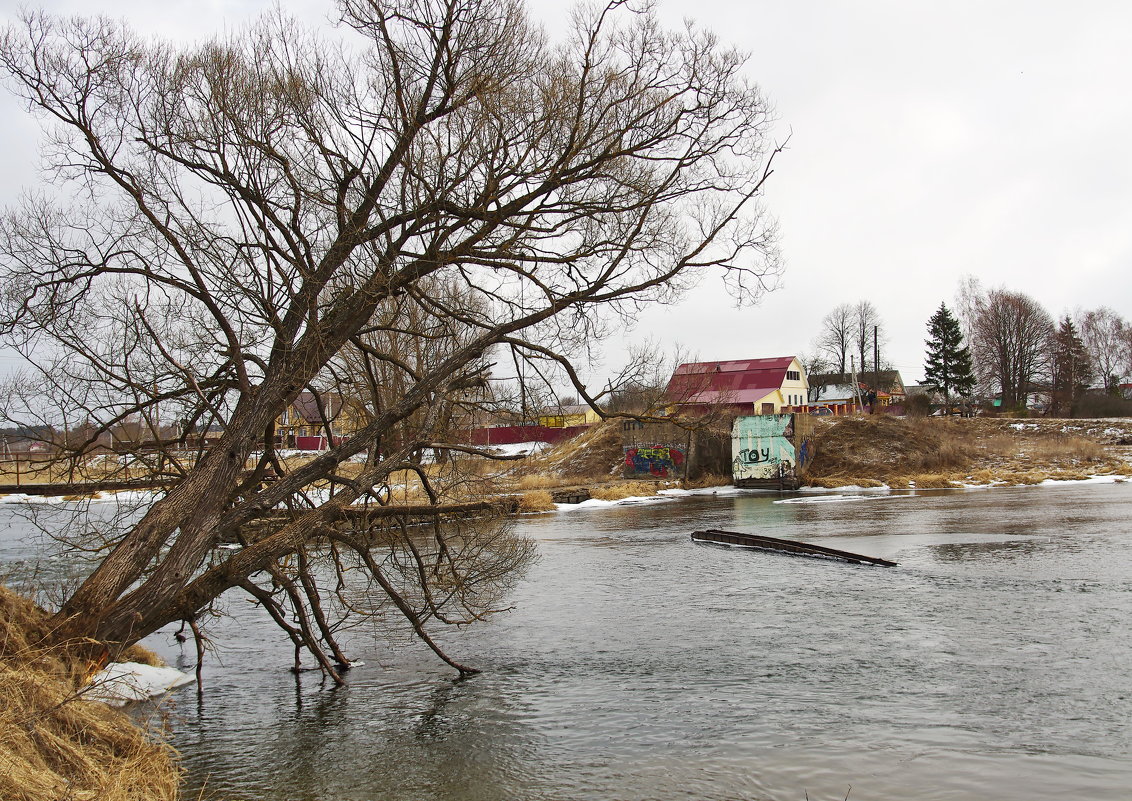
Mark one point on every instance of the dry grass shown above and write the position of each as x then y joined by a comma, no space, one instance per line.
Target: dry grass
1002,445
836,482
536,501
141,655
591,456
934,481
623,489
536,481
709,480
56,745
931,452
1067,447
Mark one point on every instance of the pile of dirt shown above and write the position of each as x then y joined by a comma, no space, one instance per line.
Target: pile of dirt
56,745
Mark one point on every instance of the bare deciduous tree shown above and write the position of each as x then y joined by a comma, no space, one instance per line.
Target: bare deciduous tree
867,335
1011,343
848,330
835,340
1105,334
234,219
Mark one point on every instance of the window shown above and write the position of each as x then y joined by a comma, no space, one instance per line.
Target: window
793,375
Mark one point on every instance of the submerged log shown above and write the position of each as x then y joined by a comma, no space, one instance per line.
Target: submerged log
764,543
361,518
87,487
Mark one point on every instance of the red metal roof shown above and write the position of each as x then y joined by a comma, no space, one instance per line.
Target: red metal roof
740,381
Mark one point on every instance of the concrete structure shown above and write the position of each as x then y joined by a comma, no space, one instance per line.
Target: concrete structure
771,450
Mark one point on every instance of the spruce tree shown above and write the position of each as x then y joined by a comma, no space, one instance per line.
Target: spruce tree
1072,368
947,368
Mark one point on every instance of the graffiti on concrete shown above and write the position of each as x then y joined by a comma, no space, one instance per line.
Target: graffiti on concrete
762,447
754,455
660,461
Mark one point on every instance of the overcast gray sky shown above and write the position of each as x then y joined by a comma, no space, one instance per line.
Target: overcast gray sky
927,141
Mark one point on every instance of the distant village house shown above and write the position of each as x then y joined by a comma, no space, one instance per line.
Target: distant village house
838,392
742,387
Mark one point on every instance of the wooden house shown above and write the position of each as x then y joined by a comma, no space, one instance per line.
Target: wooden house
742,387
315,422
839,393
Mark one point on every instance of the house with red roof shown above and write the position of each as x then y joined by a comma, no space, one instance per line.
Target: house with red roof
741,387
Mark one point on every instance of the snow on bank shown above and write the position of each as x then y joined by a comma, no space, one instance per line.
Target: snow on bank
854,493
119,683
518,448
130,497
725,490
661,496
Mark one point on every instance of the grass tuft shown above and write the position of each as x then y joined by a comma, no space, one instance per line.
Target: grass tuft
536,501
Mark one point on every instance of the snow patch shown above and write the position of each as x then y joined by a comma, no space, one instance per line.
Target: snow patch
841,498
119,683
118,497
595,503
728,490
519,448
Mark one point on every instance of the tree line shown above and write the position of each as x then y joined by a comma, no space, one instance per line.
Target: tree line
1019,350
995,344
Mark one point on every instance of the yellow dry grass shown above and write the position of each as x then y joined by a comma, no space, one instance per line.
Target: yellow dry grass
536,481
623,489
536,501
1067,447
54,745
709,480
924,452
934,481
590,456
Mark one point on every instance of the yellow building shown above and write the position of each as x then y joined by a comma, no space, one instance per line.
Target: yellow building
315,422
569,416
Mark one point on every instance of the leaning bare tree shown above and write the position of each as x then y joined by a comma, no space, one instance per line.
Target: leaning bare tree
235,223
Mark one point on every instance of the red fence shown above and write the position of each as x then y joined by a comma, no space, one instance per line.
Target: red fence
509,435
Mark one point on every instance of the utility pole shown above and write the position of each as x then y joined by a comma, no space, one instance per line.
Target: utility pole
856,383
876,361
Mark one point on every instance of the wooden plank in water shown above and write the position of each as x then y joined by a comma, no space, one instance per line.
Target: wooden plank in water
766,543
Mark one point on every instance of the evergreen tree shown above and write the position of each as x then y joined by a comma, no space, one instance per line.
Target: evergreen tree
1072,368
947,368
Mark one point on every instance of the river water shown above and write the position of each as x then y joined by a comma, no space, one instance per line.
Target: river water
992,663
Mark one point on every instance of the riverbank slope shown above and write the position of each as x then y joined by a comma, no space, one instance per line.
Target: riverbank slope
956,452
55,744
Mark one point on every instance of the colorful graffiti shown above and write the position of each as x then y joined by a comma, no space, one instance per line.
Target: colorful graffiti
659,461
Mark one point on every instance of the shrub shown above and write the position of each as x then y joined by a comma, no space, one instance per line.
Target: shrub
918,406
1097,404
